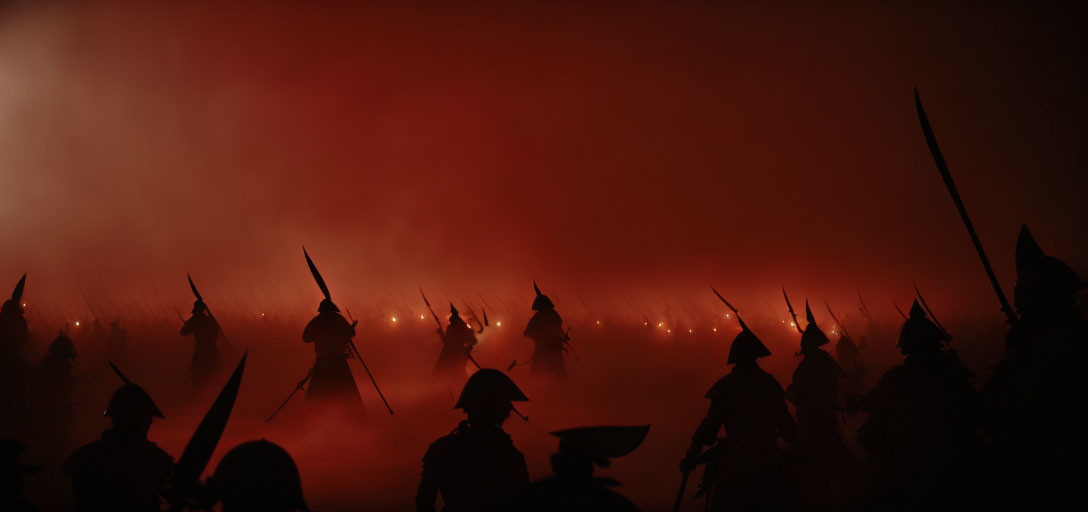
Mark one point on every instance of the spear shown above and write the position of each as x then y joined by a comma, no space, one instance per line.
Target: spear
210,315
367,369
946,175
901,313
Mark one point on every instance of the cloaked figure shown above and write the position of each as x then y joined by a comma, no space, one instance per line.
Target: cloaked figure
745,470
123,470
1033,395
573,486
206,361
546,330
457,344
15,369
117,343
823,458
12,473
921,433
257,476
56,392
331,382
477,464
858,378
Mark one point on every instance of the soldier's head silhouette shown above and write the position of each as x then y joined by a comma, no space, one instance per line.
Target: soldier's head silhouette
488,397
61,348
455,316
257,476
541,302
12,470
199,306
919,334
130,407
812,337
746,347
582,448
14,305
1044,284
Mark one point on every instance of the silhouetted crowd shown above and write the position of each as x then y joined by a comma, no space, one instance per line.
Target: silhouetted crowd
931,440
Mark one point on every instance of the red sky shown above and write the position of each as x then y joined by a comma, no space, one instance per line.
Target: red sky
638,150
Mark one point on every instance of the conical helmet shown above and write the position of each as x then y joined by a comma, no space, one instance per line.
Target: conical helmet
812,337
487,387
131,399
541,302
62,347
15,303
919,334
1044,283
746,347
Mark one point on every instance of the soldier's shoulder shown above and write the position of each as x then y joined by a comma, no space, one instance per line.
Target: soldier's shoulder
86,456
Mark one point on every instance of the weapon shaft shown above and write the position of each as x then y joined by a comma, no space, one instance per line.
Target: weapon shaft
298,387
793,315
359,356
901,313
680,494
946,175
841,326
929,311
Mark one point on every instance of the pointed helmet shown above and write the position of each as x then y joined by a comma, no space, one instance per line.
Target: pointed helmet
455,316
919,334
488,387
746,347
541,302
14,304
1044,283
62,347
812,337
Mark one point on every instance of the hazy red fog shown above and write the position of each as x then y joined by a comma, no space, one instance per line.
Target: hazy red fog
641,151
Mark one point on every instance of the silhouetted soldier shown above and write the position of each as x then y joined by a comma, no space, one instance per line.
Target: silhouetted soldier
15,368
331,380
748,471
848,355
257,476
477,463
117,343
206,361
546,330
921,430
457,343
123,470
1033,394
12,471
56,393
814,391
573,486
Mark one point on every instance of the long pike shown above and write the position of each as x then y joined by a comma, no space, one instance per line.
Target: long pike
792,314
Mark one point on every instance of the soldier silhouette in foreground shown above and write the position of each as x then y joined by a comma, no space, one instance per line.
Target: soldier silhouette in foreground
206,361
822,454
56,393
117,343
15,368
921,433
1033,394
746,470
331,382
573,486
477,463
123,470
12,472
546,330
256,476
848,355
457,343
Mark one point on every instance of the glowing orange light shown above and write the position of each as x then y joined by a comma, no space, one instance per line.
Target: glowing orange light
727,315
689,330
394,319
598,322
421,316
498,324
793,324
668,330
77,323
24,304
715,329
660,324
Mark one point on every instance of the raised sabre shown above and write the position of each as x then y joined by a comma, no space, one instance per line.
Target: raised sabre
938,158
792,314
